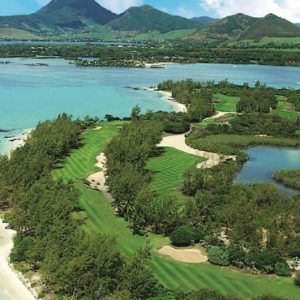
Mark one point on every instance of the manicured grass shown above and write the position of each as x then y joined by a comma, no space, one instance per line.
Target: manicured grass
168,169
100,217
227,103
285,109
223,120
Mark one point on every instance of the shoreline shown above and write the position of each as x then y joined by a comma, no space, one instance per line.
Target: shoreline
12,282
15,141
167,97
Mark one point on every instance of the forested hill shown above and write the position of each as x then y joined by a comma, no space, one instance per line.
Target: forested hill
86,19
147,18
242,27
61,15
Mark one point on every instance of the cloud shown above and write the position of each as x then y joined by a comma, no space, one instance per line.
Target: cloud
289,9
119,6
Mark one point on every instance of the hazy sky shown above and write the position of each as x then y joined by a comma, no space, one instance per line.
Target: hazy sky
289,9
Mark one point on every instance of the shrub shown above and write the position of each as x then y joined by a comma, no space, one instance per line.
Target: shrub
218,256
297,279
282,269
237,256
184,236
263,260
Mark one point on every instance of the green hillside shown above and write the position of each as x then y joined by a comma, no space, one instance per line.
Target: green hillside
60,16
271,26
146,18
243,27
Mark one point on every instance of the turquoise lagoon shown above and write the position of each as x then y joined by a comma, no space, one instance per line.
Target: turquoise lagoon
31,94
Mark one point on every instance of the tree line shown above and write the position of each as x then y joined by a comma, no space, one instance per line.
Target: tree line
49,240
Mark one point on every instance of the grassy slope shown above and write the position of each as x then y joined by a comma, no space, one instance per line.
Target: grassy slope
285,109
172,35
168,169
279,40
227,103
172,274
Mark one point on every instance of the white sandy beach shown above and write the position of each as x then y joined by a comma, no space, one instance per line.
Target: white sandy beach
167,96
10,281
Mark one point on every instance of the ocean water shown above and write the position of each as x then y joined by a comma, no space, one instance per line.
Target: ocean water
31,94
265,161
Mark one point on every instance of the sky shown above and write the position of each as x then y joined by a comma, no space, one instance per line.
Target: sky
289,9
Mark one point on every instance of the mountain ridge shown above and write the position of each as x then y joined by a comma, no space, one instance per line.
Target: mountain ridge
64,18
243,27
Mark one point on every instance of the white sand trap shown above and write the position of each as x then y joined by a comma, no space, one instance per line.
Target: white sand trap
185,255
97,180
97,128
178,142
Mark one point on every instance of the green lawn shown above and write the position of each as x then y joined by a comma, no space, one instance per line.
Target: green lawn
285,110
100,217
227,103
168,169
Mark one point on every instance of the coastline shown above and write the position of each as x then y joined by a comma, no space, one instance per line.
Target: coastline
17,138
167,96
12,282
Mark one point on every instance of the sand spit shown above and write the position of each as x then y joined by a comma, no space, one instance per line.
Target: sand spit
184,255
178,142
167,96
11,281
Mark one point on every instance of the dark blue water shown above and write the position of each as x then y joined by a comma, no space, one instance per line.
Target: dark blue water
265,161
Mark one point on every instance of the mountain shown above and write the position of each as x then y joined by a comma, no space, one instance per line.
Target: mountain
205,20
242,27
271,26
61,15
146,19
297,24
76,9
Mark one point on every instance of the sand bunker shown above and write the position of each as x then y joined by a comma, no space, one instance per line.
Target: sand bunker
178,142
185,255
97,180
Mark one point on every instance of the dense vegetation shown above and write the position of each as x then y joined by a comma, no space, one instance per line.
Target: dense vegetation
213,208
177,52
147,19
214,205
49,239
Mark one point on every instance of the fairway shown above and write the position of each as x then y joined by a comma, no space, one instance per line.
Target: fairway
226,103
285,109
168,168
100,217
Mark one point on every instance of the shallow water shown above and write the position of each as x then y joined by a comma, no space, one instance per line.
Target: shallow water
31,94
265,161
